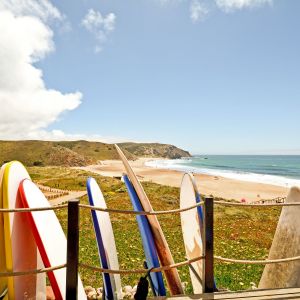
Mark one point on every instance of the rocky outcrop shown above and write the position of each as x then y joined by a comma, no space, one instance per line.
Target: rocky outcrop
154,150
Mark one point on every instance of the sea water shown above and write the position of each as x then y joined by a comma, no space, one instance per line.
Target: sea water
281,170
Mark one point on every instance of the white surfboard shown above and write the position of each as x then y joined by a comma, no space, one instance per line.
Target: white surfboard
105,241
21,251
286,243
49,236
190,224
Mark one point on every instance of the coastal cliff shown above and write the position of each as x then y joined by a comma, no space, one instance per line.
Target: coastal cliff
80,153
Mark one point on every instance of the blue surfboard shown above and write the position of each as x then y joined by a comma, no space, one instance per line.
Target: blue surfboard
105,241
147,240
199,210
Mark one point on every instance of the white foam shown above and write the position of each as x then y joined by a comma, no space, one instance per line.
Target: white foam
179,165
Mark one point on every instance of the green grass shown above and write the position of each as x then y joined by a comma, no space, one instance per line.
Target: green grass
244,233
79,153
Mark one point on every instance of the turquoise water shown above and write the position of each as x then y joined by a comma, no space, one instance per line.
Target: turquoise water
283,170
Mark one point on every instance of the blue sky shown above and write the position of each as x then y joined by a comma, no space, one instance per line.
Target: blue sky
208,76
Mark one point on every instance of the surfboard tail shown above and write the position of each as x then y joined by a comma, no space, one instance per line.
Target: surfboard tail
105,241
161,244
285,244
21,251
150,251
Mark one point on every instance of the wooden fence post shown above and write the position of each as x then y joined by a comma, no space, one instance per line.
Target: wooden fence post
208,246
72,250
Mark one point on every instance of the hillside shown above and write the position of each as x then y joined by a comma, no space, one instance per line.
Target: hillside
154,150
79,153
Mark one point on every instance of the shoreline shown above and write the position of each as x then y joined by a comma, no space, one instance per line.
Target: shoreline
217,186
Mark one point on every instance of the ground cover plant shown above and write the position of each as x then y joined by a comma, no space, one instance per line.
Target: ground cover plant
244,233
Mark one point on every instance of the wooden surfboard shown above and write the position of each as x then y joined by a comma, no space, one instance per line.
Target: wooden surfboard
21,251
49,237
191,224
161,244
105,241
286,243
147,240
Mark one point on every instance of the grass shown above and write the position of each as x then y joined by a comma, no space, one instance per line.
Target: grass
79,153
244,233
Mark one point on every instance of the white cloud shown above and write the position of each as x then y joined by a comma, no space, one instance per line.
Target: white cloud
198,11
42,9
59,135
100,26
170,2
26,105
232,5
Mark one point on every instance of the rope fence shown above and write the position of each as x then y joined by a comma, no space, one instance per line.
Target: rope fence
143,271
154,270
208,257
17,210
144,213
225,203
32,272
257,262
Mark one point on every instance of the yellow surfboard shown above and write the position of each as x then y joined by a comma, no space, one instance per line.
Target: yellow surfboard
20,248
3,280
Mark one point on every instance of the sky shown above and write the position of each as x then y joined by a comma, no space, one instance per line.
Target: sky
209,76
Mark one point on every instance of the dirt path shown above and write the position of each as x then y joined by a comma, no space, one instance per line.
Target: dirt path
71,196
57,196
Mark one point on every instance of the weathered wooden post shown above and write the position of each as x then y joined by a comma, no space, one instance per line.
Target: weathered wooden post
72,250
208,245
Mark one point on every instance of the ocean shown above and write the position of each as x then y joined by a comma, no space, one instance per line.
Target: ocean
281,170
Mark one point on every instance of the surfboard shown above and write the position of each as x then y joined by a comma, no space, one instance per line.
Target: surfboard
192,228
147,240
105,241
3,280
49,237
21,251
285,244
191,224
161,244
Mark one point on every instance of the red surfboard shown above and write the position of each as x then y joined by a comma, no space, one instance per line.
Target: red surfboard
49,236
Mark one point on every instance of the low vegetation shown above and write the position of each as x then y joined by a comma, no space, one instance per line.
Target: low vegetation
239,232
79,153
154,150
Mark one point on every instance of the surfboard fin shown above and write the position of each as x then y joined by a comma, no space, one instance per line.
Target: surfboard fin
142,288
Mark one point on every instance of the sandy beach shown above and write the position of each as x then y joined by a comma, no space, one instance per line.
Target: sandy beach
207,184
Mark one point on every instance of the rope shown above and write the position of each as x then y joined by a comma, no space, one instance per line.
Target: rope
257,262
159,269
142,271
251,204
132,212
38,271
6,210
